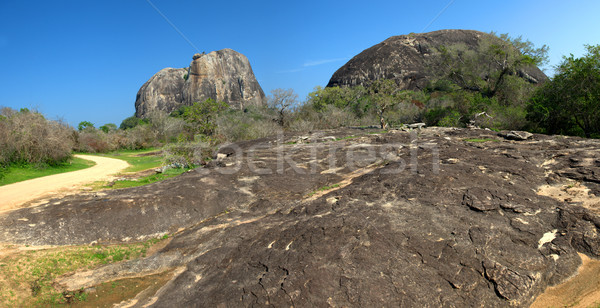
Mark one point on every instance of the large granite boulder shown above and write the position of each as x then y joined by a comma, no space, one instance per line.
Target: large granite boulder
224,75
395,219
411,59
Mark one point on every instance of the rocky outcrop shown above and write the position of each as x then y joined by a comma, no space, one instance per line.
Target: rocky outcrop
162,92
410,59
223,75
407,219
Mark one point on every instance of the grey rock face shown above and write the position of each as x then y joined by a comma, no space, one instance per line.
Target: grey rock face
162,92
408,59
517,135
223,75
470,232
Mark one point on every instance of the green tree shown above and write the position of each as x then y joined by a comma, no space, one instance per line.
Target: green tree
85,125
132,122
352,98
486,69
489,79
385,96
108,127
570,102
202,116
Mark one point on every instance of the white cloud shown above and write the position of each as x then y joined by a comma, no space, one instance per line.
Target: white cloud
310,63
319,62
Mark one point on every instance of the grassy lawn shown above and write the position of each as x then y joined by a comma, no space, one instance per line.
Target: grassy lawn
26,276
137,162
21,173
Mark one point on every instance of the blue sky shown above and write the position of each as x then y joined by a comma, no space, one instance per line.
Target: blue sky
86,60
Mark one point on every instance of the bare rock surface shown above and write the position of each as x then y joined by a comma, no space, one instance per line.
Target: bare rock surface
224,75
419,218
409,59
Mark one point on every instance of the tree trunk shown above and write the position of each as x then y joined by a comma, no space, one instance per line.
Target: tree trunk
382,122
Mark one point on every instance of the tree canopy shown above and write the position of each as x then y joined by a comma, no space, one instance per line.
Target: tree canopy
202,115
570,102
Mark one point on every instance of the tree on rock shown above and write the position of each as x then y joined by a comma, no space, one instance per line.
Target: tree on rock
385,96
570,102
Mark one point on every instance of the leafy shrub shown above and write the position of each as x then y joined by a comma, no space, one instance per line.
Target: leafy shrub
109,127
452,118
202,115
132,122
92,141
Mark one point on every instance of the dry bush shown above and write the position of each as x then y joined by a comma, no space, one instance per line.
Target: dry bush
187,154
254,123
159,129
405,113
307,118
92,141
301,125
140,137
166,128
26,137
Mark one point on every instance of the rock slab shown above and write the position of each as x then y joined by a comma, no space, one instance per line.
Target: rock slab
378,220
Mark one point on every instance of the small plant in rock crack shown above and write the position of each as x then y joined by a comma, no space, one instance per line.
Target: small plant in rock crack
324,188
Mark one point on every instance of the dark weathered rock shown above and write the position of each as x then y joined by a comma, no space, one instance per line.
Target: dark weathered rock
408,60
223,75
418,220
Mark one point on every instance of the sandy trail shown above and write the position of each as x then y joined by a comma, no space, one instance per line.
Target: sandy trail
13,196
582,290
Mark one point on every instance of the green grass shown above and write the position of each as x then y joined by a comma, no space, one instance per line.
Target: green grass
346,138
27,276
138,163
16,174
324,188
169,173
479,140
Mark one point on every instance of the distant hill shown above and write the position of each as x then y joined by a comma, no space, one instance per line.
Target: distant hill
224,75
410,59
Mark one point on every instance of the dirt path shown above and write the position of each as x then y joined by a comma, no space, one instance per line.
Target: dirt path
582,290
13,196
